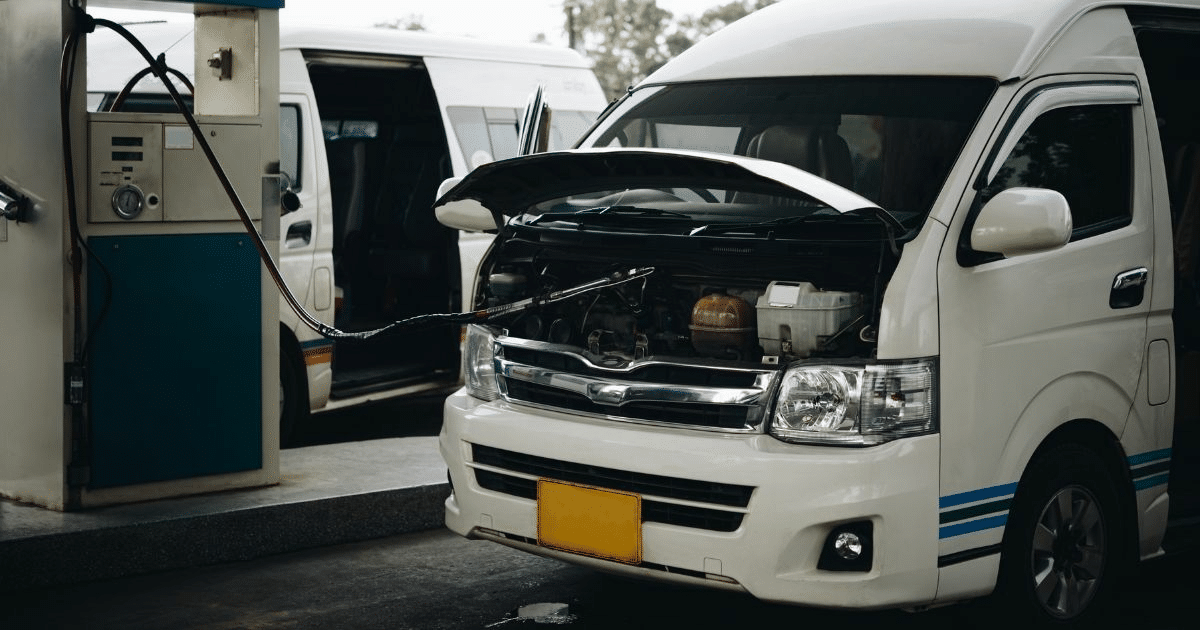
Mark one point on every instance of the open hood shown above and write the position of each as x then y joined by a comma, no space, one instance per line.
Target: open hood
510,186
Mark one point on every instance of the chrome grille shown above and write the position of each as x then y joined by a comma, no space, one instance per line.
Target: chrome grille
695,395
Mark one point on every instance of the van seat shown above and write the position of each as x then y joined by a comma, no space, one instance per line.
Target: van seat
817,149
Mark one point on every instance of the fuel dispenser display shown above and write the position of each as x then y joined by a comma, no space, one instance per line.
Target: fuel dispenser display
148,168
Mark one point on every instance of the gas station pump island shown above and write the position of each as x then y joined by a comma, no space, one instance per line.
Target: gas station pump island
140,342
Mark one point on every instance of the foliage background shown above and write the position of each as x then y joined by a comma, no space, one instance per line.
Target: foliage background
626,39
629,39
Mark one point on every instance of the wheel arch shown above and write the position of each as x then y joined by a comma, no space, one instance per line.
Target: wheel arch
1098,438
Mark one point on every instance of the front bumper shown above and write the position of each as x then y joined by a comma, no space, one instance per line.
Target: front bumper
800,493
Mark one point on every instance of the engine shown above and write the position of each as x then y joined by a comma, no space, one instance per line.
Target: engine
679,313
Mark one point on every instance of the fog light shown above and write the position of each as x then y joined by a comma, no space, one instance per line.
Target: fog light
848,547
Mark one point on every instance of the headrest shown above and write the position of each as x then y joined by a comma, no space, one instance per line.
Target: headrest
816,149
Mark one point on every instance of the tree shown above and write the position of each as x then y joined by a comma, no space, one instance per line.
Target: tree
628,39
624,39
412,22
693,29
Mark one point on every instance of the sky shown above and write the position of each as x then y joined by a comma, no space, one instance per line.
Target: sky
502,20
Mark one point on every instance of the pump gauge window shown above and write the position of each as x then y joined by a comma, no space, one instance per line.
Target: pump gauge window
127,201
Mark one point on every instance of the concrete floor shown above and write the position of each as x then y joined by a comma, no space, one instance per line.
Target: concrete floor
328,494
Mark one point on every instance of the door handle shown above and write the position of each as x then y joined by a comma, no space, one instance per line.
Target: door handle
299,234
1128,288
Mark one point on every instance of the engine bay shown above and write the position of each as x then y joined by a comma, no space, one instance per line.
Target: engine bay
683,310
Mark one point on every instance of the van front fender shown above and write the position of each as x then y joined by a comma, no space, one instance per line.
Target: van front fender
1080,396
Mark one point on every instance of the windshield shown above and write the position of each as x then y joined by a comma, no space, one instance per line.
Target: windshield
892,140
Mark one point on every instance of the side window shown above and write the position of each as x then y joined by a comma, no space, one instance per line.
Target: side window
567,127
502,130
1085,153
289,144
486,134
471,128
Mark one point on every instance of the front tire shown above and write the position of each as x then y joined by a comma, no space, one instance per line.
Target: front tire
1062,548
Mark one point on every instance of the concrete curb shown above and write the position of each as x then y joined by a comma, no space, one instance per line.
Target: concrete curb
217,538
329,495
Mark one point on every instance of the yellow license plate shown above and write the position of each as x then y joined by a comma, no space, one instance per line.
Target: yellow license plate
590,521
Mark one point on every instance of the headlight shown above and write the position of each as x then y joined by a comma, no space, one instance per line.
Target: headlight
479,368
856,405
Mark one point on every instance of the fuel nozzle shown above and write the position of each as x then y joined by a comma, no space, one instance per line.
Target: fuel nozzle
13,205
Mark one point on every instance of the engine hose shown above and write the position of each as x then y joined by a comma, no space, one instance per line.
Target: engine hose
88,24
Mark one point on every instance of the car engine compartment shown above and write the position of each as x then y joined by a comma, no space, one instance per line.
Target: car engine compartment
685,310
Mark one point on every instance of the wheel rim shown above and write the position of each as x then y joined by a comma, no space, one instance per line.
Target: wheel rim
1068,552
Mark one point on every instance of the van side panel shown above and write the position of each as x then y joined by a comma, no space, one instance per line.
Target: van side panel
1031,343
307,264
1148,434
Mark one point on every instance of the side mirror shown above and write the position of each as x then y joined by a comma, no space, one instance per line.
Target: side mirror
447,185
1022,221
467,215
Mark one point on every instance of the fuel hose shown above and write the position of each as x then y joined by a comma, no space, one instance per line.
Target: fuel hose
88,24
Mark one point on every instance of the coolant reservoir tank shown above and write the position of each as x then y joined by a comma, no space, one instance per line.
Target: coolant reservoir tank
722,326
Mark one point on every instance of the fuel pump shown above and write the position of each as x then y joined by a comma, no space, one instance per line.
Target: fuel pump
168,342
180,382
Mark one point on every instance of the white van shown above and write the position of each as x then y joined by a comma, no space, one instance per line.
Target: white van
371,121
855,305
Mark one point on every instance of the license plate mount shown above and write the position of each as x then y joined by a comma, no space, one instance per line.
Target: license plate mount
591,521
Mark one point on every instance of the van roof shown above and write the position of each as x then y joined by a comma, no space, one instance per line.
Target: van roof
1002,40
108,51
384,41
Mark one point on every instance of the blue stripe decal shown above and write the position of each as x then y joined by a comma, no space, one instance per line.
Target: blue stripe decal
1150,482
315,343
1134,460
977,495
991,522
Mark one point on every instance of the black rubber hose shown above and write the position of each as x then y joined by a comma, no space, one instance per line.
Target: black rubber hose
129,85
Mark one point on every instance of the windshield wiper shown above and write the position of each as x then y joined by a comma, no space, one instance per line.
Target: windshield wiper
722,228
625,211
890,223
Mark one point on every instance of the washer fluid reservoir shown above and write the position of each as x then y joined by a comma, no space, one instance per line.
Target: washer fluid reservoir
794,316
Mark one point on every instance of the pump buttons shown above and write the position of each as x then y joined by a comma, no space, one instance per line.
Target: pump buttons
128,201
